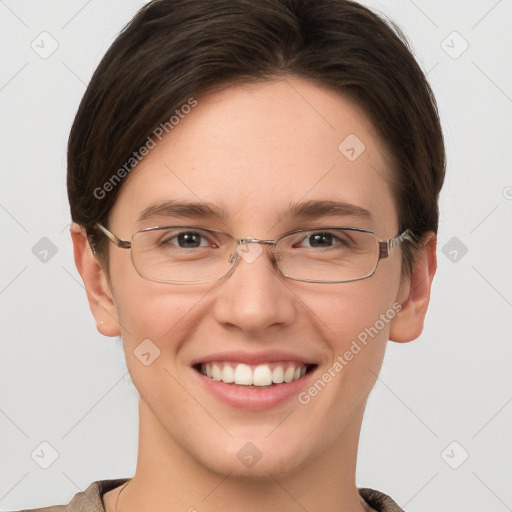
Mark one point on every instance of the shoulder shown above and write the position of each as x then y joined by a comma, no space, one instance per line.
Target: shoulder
379,501
89,500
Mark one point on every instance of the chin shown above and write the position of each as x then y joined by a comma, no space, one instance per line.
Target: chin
254,460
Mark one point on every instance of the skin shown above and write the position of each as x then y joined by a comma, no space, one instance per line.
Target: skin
253,149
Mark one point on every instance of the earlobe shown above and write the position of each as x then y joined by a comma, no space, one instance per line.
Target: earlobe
415,294
98,290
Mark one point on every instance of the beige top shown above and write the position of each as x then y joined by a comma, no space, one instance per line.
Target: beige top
90,500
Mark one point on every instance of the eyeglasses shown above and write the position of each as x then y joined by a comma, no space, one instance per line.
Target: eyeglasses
192,254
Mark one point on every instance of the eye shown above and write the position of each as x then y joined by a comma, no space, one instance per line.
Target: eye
186,239
325,239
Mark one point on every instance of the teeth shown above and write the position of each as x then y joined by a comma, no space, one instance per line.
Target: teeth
216,372
243,375
261,375
228,374
278,375
289,373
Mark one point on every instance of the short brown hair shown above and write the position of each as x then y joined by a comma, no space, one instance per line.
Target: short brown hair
173,50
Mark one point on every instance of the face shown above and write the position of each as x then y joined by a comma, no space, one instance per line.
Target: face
253,150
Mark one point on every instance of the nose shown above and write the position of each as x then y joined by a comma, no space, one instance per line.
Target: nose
256,295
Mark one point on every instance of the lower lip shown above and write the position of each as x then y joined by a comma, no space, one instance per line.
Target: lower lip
253,399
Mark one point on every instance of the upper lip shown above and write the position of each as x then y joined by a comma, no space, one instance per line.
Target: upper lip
262,357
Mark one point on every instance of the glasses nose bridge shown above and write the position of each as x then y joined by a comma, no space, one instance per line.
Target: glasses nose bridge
236,256
251,240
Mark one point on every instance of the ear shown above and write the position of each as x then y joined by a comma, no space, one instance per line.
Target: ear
414,293
96,284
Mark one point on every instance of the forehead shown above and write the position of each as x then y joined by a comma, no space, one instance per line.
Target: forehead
256,149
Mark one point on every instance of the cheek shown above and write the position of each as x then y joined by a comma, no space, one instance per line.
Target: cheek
146,309
158,312
361,310
354,320
153,317
155,325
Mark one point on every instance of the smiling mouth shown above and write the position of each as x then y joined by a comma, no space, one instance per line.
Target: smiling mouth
261,376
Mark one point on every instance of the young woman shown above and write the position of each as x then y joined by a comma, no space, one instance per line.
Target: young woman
254,187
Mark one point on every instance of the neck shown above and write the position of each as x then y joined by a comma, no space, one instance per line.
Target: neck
170,479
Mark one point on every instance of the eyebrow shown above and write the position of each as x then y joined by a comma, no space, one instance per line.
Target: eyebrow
327,208
183,210
303,211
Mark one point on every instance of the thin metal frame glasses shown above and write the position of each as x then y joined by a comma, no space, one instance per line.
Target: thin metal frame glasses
355,256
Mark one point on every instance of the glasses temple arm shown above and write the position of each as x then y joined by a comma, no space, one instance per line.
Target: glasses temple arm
386,245
113,238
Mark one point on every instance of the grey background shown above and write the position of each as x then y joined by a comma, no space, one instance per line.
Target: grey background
438,399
